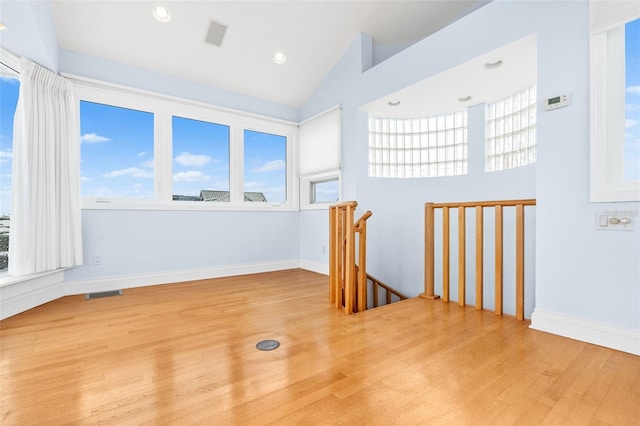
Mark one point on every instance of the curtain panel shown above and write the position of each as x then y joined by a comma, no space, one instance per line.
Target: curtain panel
45,231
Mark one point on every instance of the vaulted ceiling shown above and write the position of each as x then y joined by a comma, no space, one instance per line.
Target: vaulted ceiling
313,34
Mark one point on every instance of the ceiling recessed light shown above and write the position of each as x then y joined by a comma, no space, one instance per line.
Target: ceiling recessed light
279,58
493,65
2,26
161,14
464,98
393,103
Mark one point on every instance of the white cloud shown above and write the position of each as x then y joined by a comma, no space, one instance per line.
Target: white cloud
131,171
5,156
271,166
84,179
142,154
93,138
192,160
8,79
191,176
632,107
630,122
634,90
149,164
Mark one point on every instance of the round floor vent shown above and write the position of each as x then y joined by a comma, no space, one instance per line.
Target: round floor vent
268,345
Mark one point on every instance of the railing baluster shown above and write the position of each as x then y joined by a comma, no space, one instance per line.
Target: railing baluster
462,268
332,255
429,263
375,294
350,263
445,253
479,258
479,241
520,262
498,260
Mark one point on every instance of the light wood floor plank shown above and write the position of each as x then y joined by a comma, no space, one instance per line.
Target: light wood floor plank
185,354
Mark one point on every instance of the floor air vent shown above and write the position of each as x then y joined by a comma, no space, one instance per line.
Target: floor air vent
101,294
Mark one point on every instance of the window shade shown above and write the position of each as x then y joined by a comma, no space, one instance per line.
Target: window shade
320,142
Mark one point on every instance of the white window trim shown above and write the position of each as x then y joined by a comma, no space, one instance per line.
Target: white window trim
306,188
164,107
607,141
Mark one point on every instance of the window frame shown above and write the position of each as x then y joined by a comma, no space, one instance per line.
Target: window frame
306,189
607,182
164,107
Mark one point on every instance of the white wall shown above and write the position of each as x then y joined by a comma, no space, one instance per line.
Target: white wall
118,73
143,242
30,31
586,281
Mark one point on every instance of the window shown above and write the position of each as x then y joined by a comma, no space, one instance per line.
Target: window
146,151
9,88
326,191
511,131
424,147
265,167
319,190
632,102
200,160
615,105
116,152
320,142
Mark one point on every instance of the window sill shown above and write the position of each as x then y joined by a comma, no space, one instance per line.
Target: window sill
184,206
7,280
318,206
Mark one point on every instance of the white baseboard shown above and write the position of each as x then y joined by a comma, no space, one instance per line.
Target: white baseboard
23,295
320,268
26,294
167,277
586,331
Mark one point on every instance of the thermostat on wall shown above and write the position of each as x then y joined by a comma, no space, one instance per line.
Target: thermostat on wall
557,102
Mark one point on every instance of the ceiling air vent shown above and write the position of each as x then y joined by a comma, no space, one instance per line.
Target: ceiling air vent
215,33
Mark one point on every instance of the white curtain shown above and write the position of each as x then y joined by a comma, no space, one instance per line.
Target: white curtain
45,232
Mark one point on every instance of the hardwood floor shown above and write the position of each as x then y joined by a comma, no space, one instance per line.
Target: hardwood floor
185,354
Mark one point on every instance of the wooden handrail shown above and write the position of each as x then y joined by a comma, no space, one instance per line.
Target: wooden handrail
429,266
389,291
503,203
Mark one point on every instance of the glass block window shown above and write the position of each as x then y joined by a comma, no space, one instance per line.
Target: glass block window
418,147
511,131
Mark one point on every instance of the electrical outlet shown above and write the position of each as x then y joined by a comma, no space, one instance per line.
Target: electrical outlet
97,259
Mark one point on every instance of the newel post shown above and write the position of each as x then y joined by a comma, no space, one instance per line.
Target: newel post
429,259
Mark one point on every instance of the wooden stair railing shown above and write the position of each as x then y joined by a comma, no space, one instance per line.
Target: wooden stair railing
348,284
429,265
389,291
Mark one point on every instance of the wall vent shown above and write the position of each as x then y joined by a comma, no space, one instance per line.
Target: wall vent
101,294
215,33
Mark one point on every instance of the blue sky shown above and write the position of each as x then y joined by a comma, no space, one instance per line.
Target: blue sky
8,98
117,156
116,152
632,102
